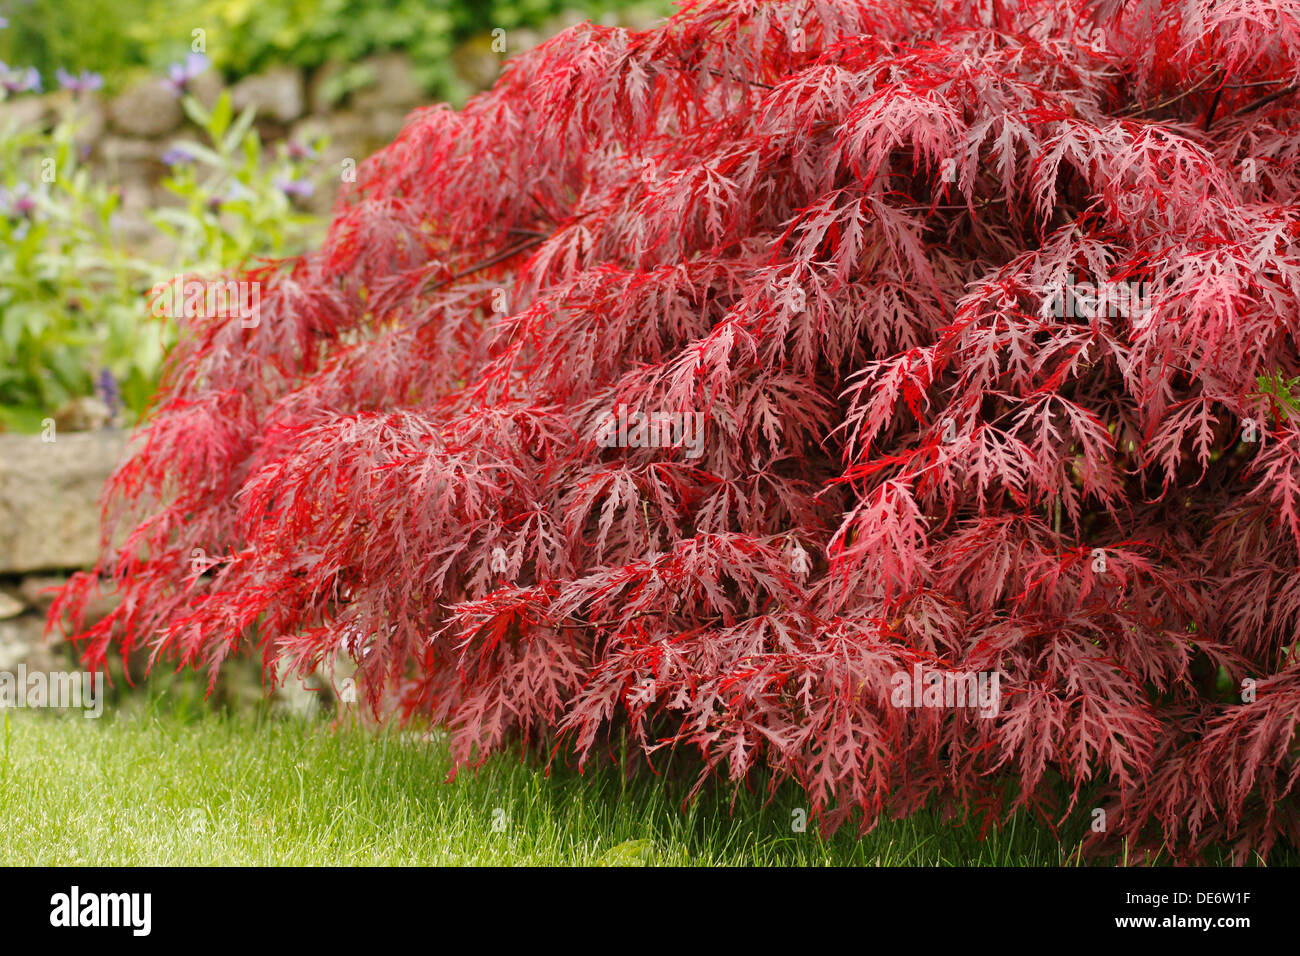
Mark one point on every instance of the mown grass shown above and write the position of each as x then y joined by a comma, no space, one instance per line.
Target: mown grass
157,787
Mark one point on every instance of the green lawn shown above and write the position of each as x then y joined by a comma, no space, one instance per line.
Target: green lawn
157,788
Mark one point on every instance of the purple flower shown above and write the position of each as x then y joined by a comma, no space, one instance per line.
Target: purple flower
3,23
176,155
20,81
294,188
19,204
234,193
179,75
86,82
300,150
107,390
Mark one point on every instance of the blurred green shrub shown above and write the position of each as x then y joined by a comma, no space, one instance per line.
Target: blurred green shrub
76,34
248,36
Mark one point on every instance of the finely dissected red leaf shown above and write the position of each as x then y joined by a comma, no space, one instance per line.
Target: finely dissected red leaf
702,381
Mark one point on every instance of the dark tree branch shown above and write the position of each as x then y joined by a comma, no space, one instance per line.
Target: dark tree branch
1214,105
502,256
1265,100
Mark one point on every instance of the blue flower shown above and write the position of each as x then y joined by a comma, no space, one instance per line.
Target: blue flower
108,391
84,83
294,188
176,155
300,150
236,192
16,80
179,75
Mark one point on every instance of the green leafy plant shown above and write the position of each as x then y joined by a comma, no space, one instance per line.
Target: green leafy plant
236,206
66,290
1285,392
74,301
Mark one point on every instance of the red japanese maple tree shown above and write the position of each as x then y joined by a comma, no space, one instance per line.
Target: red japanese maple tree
986,313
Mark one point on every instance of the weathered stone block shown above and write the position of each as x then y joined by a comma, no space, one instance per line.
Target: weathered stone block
277,94
394,85
150,108
49,498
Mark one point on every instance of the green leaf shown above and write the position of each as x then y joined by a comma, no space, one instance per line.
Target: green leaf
194,110
222,113
629,853
11,327
239,130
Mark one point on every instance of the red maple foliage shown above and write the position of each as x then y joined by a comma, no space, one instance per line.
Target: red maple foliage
986,311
